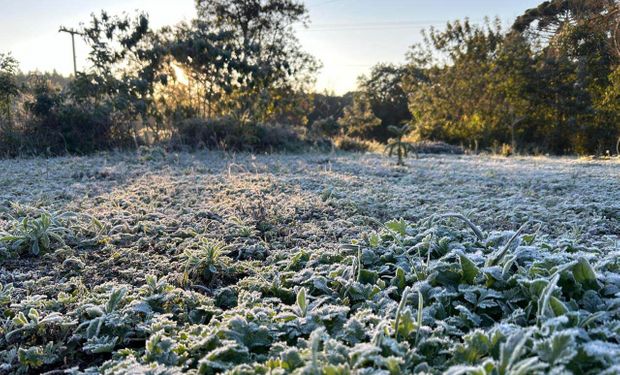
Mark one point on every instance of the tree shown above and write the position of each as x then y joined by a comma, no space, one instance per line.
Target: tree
327,108
540,86
8,83
610,103
126,58
384,90
210,61
452,84
273,68
578,55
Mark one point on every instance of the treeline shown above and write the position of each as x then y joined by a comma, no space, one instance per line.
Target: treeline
236,78
550,83
233,77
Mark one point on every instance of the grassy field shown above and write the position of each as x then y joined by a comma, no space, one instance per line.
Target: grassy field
280,264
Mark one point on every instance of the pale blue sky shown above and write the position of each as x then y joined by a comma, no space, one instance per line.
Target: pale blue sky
348,36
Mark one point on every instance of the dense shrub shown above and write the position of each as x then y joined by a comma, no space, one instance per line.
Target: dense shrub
325,127
229,134
347,143
59,122
430,147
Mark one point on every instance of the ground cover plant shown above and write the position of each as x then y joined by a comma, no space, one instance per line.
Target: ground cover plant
309,264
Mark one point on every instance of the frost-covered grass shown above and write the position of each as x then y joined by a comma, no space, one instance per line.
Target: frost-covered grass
301,264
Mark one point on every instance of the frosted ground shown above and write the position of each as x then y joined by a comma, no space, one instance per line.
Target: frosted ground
319,200
280,226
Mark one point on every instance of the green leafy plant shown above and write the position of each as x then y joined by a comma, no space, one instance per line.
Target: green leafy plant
36,235
32,323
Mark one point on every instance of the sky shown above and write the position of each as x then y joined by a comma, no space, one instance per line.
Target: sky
347,36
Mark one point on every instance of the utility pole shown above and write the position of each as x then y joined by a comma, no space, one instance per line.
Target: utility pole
73,33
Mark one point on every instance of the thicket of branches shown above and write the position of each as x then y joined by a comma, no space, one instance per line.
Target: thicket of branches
236,77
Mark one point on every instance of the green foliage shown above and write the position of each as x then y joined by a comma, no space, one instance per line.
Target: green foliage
236,78
409,297
38,232
358,118
387,98
469,269
328,106
36,236
352,144
548,84
272,67
8,84
205,262
237,60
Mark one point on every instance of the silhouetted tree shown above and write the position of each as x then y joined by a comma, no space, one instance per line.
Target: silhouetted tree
276,71
8,83
388,100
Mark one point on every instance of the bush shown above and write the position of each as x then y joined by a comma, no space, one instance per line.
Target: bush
352,144
57,123
226,133
281,138
77,128
10,140
432,147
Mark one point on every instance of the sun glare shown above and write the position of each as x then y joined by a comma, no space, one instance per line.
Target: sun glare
180,75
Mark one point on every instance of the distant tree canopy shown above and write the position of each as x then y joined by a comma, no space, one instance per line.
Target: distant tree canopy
550,83
547,84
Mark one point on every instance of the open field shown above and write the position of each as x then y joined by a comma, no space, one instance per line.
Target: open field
210,262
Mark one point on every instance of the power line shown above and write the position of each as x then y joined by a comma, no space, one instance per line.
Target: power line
325,3
355,28
387,25
383,23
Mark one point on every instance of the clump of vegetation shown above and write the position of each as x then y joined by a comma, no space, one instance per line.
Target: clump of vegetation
352,144
231,135
39,232
397,146
35,236
429,147
204,263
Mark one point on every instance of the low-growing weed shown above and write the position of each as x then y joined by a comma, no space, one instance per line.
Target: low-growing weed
35,236
45,232
206,261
